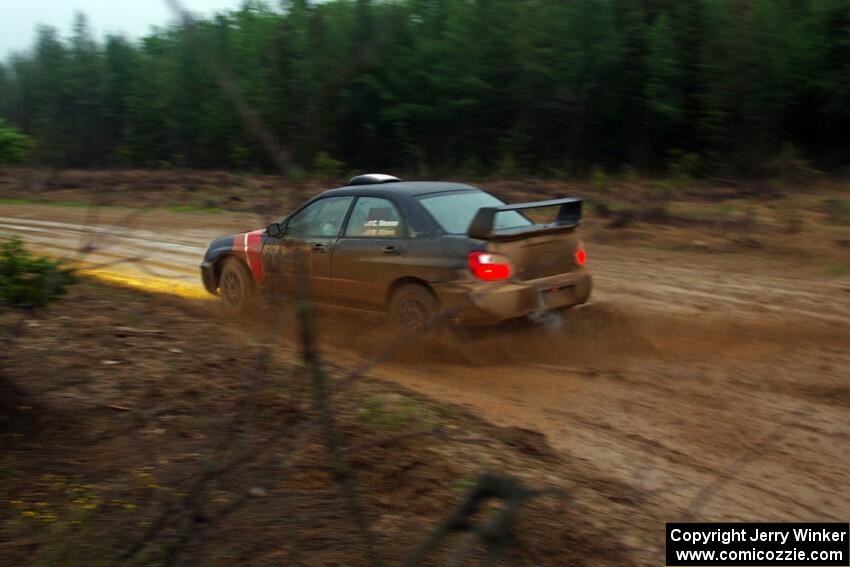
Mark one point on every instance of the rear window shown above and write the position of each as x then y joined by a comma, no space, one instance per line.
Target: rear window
454,211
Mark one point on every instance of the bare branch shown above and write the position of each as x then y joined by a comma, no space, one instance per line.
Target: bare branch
495,534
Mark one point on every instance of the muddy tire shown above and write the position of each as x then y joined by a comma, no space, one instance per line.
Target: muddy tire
236,287
412,306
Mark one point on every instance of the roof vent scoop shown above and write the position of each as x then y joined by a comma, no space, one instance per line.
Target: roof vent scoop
372,179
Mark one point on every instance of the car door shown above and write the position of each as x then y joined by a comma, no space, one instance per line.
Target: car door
307,243
370,254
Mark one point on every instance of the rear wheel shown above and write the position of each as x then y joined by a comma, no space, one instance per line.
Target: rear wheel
413,306
236,287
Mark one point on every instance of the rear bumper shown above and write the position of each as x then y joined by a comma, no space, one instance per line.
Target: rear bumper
482,303
208,277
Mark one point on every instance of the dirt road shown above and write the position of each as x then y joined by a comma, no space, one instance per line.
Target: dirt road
713,386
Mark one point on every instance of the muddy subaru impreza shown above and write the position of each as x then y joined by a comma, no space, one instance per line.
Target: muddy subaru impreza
412,250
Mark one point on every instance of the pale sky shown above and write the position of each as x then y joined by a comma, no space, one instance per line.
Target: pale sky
134,18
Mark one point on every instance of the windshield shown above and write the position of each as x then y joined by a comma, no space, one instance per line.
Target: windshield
454,211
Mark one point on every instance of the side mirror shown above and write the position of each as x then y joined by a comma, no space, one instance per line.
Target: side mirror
274,230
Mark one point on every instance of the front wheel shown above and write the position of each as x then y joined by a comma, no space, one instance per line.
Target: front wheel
413,307
236,287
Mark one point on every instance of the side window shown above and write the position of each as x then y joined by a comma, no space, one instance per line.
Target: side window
376,217
322,218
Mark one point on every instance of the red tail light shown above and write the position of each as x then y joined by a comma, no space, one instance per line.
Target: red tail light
581,257
489,267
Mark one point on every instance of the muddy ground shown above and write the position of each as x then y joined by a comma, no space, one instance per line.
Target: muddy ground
707,380
150,431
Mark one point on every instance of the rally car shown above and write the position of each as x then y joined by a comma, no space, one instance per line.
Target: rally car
413,250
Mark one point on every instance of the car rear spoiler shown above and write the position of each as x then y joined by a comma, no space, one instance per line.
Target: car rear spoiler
568,217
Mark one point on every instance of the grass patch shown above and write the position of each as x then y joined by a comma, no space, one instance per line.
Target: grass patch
64,515
714,212
82,204
394,413
71,204
465,483
195,209
837,270
691,246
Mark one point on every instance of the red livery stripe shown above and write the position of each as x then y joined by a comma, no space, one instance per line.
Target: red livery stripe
249,246
254,254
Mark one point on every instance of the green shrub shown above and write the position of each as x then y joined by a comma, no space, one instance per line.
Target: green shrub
28,281
326,167
683,166
599,180
508,168
14,146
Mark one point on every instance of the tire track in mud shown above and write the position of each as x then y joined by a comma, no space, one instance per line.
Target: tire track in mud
680,368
